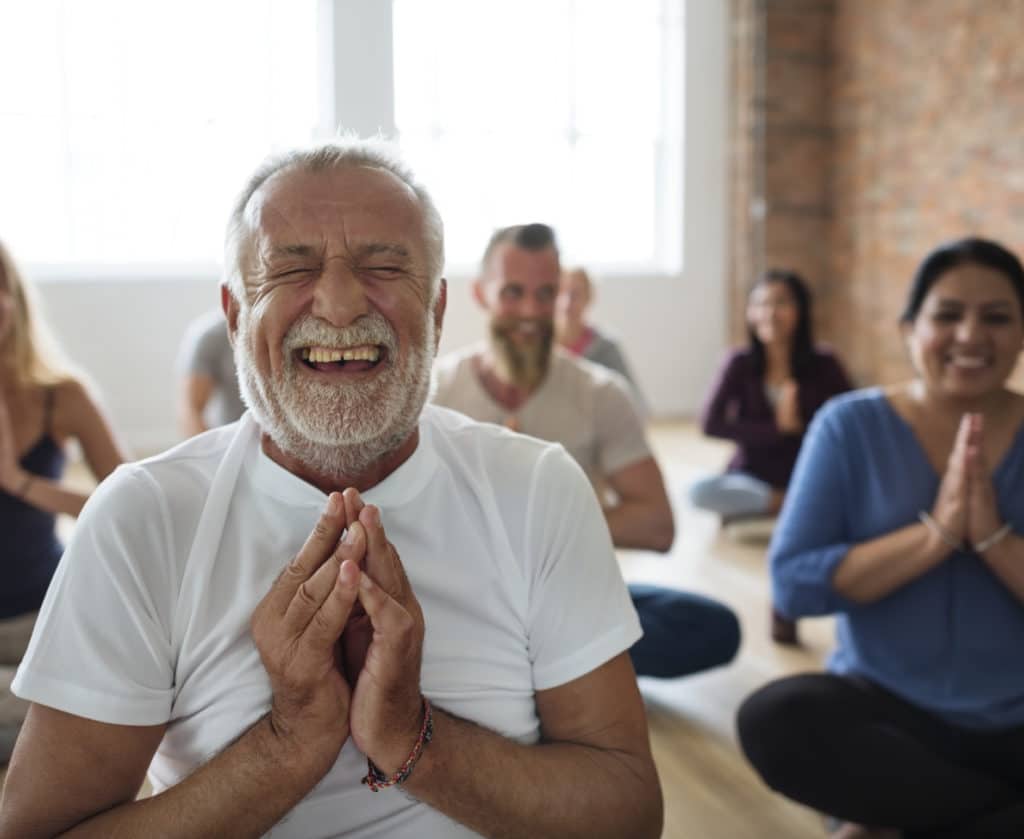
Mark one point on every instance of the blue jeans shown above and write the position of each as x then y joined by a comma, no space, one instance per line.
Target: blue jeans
684,633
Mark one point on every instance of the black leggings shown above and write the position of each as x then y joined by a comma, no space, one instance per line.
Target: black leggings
848,748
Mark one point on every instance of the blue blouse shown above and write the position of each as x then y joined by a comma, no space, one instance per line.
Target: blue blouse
950,641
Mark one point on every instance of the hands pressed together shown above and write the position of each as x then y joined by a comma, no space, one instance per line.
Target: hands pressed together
787,409
966,507
340,634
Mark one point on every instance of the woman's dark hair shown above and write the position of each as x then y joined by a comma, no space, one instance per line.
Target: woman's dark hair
959,252
802,355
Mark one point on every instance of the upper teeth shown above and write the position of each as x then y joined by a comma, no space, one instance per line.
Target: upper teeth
326,354
968,361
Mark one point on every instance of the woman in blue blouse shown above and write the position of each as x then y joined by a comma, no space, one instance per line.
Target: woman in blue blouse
905,518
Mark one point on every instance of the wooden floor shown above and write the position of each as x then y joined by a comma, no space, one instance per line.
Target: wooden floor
710,791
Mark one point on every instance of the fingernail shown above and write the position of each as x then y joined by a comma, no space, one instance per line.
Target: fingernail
351,535
365,582
347,572
333,503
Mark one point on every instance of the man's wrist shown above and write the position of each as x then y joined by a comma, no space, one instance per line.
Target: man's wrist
302,758
389,756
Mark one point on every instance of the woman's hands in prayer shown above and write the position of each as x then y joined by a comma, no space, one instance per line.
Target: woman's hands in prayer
787,409
982,505
966,506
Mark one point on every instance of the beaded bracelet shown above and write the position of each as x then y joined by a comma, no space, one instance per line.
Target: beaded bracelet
994,539
939,531
376,780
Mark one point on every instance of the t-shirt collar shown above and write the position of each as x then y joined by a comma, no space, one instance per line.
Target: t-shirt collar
402,485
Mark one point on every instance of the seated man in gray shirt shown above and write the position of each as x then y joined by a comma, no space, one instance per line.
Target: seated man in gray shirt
521,380
208,394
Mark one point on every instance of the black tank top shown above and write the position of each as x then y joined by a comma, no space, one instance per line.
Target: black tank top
29,549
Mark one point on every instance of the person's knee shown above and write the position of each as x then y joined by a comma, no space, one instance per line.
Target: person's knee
706,494
768,725
724,628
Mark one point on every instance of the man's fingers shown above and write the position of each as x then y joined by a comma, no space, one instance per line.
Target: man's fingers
392,622
317,548
329,620
382,562
311,594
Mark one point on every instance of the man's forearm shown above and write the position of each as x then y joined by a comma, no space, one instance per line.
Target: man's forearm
500,788
638,524
243,791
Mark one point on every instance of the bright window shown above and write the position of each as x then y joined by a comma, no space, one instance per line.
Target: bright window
563,111
129,127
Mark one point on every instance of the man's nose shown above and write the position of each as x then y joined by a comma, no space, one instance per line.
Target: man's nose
339,297
532,307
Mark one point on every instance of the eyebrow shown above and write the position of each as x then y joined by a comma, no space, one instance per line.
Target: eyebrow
385,248
991,304
294,250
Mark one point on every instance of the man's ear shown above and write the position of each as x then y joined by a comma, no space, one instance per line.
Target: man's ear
478,292
440,304
229,305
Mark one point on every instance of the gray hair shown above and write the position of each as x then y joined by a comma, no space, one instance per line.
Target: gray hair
334,154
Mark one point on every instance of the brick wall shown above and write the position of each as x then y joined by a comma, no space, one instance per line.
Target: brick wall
887,126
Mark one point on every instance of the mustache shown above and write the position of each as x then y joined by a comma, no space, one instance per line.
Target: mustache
368,329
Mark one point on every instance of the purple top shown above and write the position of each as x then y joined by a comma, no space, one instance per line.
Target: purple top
739,410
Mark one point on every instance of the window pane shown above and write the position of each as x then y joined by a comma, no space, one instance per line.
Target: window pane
545,110
137,123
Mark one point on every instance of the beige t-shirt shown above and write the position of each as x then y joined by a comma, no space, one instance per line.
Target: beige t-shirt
584,406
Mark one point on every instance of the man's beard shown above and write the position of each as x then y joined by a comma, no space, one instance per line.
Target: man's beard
338,429
523,364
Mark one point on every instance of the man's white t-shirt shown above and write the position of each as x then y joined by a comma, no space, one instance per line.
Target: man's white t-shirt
147,619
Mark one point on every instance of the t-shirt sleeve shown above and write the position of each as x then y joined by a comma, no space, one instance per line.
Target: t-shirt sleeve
619,427
102,648
580,613
201,350
811,537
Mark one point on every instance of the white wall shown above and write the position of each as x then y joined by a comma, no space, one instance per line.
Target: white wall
125,331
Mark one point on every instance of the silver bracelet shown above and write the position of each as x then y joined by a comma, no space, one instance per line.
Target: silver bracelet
936,528
994,539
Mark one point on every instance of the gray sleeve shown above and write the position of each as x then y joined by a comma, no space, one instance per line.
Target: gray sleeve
606,352
202,349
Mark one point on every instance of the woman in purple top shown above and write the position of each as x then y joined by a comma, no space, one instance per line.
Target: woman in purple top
764,399
41,406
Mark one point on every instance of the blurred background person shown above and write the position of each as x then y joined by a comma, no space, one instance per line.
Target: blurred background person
904,519
208,393
763,400
43,405
577,336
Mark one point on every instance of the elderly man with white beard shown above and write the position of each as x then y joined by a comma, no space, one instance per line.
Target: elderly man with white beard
346,591
520,379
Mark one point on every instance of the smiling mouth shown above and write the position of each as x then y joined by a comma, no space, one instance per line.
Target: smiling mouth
342,359
968,362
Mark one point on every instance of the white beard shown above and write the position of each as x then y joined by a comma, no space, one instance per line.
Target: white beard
338,430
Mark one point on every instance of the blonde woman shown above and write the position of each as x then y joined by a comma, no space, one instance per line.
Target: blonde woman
42,406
